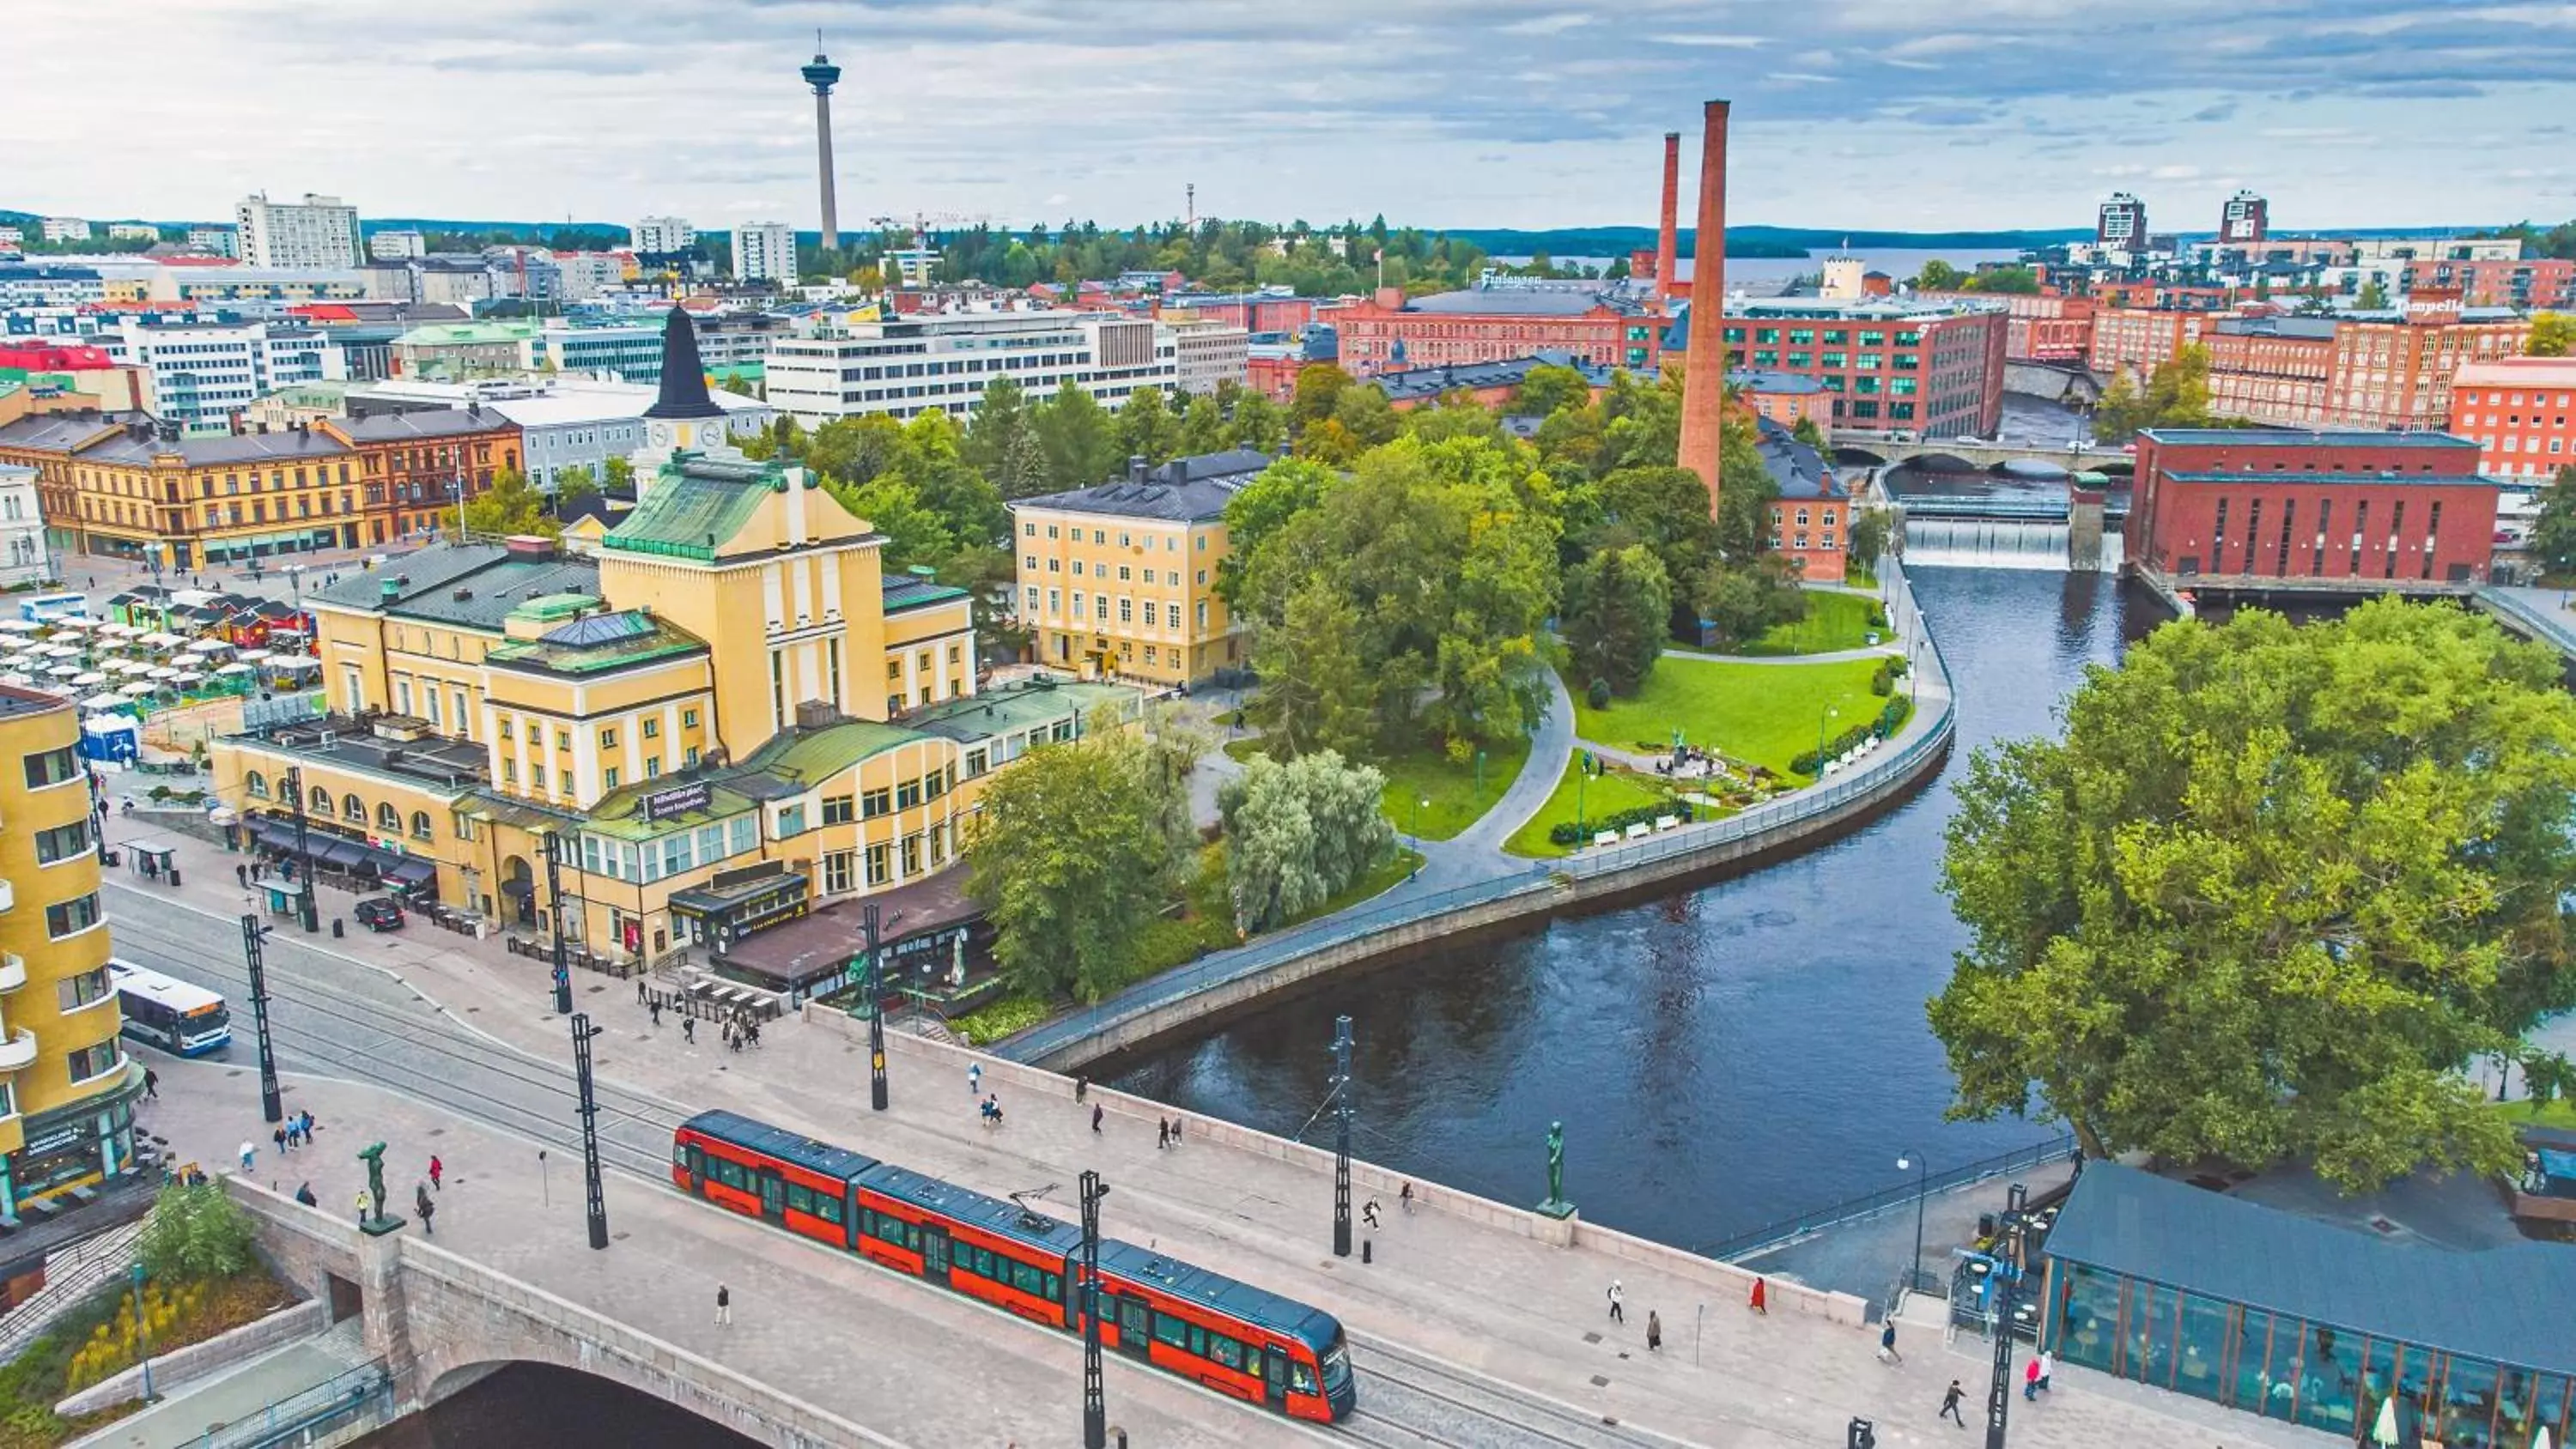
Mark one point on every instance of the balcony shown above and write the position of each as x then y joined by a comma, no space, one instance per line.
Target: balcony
13,971
19,1051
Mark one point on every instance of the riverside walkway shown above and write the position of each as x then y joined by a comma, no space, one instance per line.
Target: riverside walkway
1469,883
1474,1322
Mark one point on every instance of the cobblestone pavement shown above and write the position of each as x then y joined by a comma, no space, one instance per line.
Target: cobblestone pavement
1447,1282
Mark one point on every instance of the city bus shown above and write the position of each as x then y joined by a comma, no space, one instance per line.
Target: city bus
161,1011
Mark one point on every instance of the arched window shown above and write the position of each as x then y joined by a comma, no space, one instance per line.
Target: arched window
420,825
255,785
388,820
354,809
321,801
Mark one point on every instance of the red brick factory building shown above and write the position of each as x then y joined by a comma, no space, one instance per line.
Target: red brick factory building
2401,512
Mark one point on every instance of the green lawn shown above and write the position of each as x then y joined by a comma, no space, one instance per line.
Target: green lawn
1762,713
1859,577
2558,1113
1425,772
1834,621
1600,796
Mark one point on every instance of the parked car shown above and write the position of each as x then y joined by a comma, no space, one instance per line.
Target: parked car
379,913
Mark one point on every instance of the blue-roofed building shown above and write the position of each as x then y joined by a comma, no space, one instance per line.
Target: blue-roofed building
2280,1315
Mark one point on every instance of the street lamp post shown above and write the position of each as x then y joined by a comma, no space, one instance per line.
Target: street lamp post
143,1325
595,1204
554,909
1830,713
874,987
1922,1193
307,913
1342,1137
1095,1405
271,1108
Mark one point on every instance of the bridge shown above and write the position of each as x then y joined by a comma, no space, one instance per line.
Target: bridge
1473,1320
1878,450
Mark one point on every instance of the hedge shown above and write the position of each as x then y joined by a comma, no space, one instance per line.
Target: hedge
1571,832
1808,762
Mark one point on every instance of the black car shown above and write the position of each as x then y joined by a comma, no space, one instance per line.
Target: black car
383,913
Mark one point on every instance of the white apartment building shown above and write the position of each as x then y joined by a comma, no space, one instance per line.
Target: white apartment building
132,231
319,231
664,234
23,559
909,365
36,284
582,276
624,351
223,241
1209,352
203,375
764,251
64,228
564,422
395,246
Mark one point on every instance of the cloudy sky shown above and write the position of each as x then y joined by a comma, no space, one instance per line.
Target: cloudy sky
1848,113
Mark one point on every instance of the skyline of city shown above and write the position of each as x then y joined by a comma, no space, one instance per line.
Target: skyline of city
1495,118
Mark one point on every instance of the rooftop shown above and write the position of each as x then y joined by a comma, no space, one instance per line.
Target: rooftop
596,644
1524,302
431,761
16,703
694,505
2508,1304
1420,383
2517,372
2296,438
1755,380
1010,709
1184,490
1799,470
473,585
911,591
1858,309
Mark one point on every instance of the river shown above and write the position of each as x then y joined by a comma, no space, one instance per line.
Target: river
1722,1057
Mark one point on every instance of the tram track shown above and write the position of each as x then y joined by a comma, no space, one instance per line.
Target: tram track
1407,1400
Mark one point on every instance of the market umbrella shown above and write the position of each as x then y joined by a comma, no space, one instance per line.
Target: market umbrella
62,651
137,691
90,678
17,626
64,671
207,646
189,677
104,701
2386,1434
21,680
164,673
253,656
163,639
238,669
2540,1440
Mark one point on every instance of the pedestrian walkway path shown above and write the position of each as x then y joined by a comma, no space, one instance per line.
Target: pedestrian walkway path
241,1397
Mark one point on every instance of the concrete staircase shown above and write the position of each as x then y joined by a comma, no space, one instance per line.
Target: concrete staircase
71,1274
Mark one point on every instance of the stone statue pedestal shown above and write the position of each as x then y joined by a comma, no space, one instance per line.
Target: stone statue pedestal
1556,1223
380,1224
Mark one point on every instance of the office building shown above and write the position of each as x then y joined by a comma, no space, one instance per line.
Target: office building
2244,221
2352,371
1506,318
201,375
565,422
1207,353
1119,579
1905,365
29,284
67,1090
319,231
909,365
12,236
395,246
659,235
764,251
223,241
2407,512
201,285
2518,409
2121,224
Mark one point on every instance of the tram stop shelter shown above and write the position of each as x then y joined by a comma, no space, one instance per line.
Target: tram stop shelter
2300,1320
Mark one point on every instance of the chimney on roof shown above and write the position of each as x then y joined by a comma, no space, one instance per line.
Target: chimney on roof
1668,234
1704,370
1136,468
531,546
388,591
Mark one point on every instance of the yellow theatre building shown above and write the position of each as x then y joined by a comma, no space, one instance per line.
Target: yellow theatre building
726,716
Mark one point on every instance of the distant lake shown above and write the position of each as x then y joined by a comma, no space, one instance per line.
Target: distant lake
1769,274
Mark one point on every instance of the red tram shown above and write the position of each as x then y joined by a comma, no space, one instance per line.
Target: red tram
1232,1337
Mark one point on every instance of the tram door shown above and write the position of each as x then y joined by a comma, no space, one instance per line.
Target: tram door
773,1197
697,1169
1274,1377
934,1254
1135,1327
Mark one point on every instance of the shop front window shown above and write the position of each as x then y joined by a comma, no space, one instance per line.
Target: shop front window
2204,1344
2089,1328
2330,1382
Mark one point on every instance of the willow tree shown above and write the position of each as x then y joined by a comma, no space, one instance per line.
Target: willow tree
2271,892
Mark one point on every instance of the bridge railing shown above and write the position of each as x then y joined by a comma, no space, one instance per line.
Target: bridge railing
359,1396
1784,1230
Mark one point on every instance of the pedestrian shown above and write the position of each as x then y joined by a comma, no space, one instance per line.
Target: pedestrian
1404,1199
1095,1119
1761,1291
1887,1345
1162,1133
366,1205
151,1085
305,1196
2047,1365
249,1154
654,1010
1618,1302
277,1135
1176,1131
974,1079
309,1128
724,1306
993,1108
437,1169
689,1030
639,991
1950,1405
421,1204
753,1027
2030,1381
1654,1332
1081,1088
1368,1213
728,1034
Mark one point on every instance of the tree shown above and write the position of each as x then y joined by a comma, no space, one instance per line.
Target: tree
1548,389
915,534
1001,441
1299,833
1072,855
1618,607
512,505
1364,413
1261,508
1869,534
2021,280
195,1233
1147,429
1315,687
1319,386
617,475
2552,334
1258,423
2176,396
2270,893
1078,441
1937,276
573,486
2553,534
1741,600
1808,433
2374,297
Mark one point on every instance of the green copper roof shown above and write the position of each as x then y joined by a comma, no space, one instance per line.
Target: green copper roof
694,505
1013,708
555,606
620,815
597,644
806,758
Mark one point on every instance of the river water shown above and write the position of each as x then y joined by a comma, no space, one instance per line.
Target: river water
1722,1057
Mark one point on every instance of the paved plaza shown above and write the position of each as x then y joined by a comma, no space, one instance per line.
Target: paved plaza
1456,1281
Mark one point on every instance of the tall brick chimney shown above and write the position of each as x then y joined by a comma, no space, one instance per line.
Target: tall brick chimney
1668,239
1704,368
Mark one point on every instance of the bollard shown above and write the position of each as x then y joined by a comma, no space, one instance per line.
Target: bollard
1860,1435
1368,1250
174,877
339,928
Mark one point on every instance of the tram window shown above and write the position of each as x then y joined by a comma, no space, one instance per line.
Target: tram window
1054,1288
984,1263
798,1199
679,1154
1026,1278
1171,1330
912,1237
1301,1378
1225,1350
730,1174
827,1208
1198,1341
